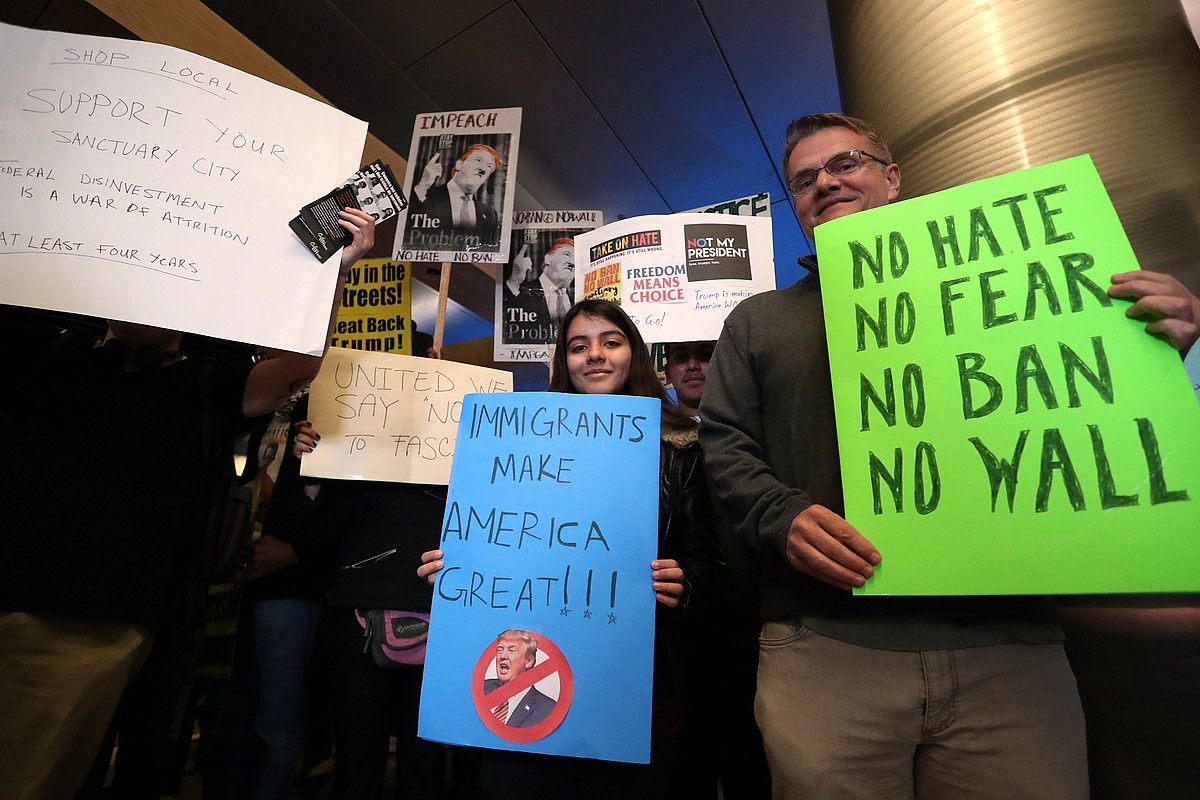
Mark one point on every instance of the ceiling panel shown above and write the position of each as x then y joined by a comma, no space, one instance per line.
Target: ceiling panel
783,64
73,16
569,156
462,324
660,81
410,31
26,13
319,44
629,107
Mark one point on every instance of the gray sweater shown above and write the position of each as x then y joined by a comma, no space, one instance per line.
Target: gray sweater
770,451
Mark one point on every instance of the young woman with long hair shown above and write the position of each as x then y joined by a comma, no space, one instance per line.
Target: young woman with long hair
600,351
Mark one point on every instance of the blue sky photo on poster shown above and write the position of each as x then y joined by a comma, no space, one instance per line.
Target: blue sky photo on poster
542,632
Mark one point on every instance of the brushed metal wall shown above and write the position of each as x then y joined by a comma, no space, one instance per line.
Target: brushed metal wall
966,89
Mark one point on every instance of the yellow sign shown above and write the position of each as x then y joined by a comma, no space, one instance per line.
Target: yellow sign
376,308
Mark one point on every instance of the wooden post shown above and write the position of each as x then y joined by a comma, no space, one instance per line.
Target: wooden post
439,326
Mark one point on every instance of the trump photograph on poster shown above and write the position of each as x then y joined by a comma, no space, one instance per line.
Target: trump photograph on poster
460,184
537,285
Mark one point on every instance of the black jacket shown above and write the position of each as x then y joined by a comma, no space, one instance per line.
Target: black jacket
685,524
686,534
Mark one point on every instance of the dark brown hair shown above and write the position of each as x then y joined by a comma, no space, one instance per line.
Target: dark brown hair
642,380
803,127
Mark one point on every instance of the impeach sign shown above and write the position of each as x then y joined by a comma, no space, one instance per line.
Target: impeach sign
1003,427
542,631
460,183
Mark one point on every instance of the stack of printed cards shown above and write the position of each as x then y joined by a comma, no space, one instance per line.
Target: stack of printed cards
373,189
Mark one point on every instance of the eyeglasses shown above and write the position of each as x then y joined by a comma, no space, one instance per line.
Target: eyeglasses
841,164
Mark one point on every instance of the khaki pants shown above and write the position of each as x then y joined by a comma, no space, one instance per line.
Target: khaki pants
1002,721
60,682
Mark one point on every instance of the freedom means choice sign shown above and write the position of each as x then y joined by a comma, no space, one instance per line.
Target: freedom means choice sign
1004,428
677,276
390,417
542,629
144,183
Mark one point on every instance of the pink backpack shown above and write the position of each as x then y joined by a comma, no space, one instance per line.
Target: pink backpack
394,638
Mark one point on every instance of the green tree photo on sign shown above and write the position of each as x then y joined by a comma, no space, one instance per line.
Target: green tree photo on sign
1003,427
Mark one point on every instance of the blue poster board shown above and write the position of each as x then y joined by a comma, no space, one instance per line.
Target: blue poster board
551,524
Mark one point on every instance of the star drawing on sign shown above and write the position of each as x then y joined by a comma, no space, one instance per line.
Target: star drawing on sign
587,613
566,612
612,618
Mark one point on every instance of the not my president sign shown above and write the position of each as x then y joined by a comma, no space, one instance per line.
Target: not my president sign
1003,427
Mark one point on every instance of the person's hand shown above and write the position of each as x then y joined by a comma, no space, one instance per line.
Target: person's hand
668,581
522,265
1173,312
822,544
431,174
361,226
306,438
433,352
267,556
431,563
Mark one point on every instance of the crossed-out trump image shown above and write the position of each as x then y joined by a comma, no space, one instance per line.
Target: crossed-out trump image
517,652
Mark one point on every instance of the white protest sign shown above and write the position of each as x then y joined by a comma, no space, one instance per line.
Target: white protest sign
145,183
677,276
755,205
460,183
537,286
390,417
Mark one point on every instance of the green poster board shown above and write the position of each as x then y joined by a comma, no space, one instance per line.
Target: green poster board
1003,427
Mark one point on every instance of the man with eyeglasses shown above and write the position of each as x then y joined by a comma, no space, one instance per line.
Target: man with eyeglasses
866,697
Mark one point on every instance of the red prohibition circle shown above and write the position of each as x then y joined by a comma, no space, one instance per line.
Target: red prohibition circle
555,662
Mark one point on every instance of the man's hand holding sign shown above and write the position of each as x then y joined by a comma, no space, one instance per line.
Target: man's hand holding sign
1173,311
823,544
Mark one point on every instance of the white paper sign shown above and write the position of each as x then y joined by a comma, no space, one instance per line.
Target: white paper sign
460,184
755,205
145,183
390,417
537,286
677,276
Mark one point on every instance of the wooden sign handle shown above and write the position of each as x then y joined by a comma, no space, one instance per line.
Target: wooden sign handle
439,326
